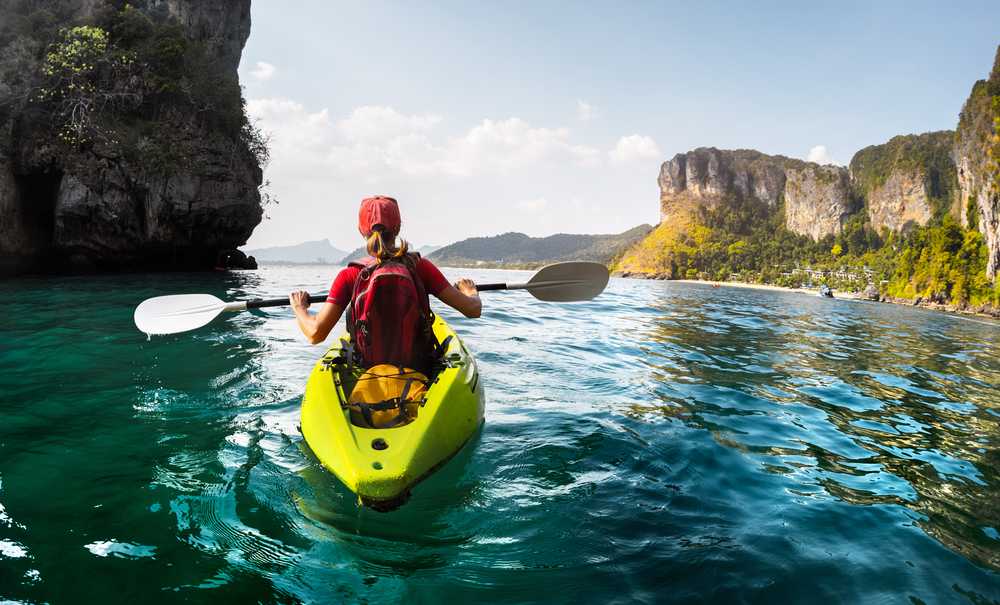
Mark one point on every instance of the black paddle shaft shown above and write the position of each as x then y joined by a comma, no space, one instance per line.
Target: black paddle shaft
259,303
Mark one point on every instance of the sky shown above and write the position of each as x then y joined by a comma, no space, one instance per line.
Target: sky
545,117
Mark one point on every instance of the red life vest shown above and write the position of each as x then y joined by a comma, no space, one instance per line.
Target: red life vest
389,317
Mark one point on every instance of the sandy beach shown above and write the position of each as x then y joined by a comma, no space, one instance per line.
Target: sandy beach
810,291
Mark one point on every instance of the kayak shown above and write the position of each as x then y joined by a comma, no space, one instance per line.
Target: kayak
381,465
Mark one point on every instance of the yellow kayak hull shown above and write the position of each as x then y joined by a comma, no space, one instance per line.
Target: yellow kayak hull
382,465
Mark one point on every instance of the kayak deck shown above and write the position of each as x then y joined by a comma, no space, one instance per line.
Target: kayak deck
381,465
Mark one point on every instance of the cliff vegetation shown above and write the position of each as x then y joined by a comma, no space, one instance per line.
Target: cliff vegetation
928,157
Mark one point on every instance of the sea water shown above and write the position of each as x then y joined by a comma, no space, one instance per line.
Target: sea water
664,442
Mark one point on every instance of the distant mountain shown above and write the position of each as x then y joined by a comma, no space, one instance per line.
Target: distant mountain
520,250
359,253
356,254
320,251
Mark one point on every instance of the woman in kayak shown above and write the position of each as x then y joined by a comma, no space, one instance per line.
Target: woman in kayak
379,223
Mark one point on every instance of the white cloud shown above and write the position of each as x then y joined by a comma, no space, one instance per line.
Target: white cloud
291,126
535,205
495,174
378,123
376,141
263,71
820,155
586,112
634,147
503,145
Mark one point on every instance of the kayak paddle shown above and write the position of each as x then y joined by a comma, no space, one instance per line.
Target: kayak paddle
561,282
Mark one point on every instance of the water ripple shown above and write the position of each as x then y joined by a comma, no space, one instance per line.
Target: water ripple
665,442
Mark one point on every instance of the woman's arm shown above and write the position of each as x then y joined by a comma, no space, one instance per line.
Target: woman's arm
463,297
315,327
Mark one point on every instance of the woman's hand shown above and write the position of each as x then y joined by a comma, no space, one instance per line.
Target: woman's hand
467,287
463,297
299,300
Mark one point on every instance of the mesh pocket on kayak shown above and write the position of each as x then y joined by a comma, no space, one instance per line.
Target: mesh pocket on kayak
386,396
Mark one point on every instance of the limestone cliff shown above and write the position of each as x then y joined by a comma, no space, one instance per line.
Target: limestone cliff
712,174
161,172
908,180
817,199
977,154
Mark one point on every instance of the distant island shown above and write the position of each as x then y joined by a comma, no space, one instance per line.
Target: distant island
319,251
916,219
517,250
360,253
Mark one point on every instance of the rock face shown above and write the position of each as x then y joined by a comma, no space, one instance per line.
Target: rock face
908,180
114,209
709,172
899,203
817,199
223,25
977,154
96,208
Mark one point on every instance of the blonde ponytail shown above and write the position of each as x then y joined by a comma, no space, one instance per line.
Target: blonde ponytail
382,251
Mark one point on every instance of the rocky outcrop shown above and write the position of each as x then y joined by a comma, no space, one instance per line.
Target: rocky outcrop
977,154
816,198
113,209
908,180
181,190
713,173
222,25
900,202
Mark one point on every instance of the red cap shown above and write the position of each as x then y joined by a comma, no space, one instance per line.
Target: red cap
379,210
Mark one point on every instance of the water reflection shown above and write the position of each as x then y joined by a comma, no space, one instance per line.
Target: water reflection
876,408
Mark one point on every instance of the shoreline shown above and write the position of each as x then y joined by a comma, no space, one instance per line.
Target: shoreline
842,295
752,286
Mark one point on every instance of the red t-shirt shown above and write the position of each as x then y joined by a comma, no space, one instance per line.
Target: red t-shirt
343,285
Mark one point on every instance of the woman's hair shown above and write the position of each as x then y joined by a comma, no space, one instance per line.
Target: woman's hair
382,247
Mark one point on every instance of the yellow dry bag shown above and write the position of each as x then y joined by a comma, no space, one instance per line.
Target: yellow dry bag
386,396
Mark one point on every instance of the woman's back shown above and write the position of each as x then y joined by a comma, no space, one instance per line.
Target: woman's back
387,294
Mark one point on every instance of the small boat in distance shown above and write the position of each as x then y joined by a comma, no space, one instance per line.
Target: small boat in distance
825,290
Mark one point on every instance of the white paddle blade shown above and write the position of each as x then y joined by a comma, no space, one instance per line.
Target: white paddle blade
176,313
568,282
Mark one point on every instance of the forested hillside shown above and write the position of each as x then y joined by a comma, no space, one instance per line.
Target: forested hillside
520,250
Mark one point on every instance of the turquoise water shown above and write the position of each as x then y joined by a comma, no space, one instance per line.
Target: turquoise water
665,442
